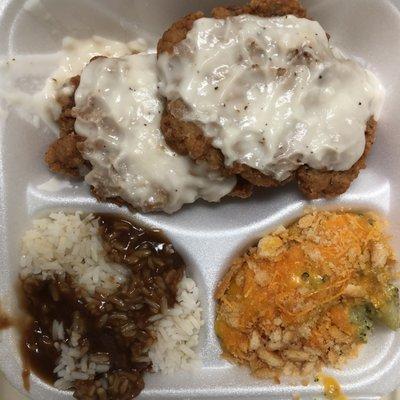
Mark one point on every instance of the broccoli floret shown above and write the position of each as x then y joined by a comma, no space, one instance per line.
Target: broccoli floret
388,313
361,316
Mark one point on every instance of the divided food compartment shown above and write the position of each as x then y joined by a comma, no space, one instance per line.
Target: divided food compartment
208,236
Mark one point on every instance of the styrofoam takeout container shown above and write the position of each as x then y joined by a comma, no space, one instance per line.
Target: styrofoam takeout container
207,235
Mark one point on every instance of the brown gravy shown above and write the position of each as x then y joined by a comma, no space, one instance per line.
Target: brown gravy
5,320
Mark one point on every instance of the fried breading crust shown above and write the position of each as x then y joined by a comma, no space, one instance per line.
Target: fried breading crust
188,138
263,8
63,156
314,183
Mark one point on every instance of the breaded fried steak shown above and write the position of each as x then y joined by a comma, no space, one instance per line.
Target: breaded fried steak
257,92
110,124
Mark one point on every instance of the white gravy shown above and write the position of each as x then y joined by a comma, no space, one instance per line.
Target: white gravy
118,112
272,93
76,54
32,83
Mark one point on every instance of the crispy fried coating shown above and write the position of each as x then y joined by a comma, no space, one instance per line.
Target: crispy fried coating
63,156
314,183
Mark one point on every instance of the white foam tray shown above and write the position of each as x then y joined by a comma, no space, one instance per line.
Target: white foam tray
208,236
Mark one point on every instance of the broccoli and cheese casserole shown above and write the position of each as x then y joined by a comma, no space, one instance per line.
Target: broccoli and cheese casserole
308,295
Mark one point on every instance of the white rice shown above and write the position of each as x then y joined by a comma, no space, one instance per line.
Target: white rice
177,332
69,244
74,363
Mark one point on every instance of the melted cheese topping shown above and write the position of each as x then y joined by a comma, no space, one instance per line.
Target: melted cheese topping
118,111
272,93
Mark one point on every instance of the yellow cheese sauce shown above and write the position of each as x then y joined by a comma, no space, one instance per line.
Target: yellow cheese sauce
332,389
